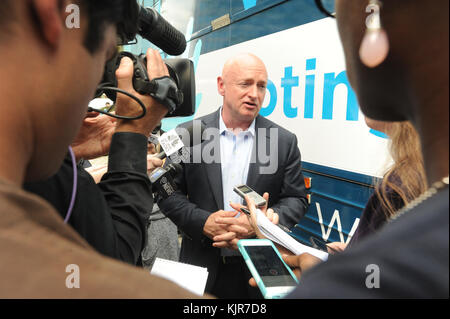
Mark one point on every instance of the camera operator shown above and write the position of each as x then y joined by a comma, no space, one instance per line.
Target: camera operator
43,111
112,215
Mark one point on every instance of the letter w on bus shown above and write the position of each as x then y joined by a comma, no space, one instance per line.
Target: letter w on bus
335,219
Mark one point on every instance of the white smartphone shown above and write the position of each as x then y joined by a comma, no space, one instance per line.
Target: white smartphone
243,190
273,277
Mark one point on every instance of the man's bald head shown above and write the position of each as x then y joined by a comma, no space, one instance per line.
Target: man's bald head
243,87
234,63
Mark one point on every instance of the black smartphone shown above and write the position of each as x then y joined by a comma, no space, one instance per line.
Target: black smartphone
320,244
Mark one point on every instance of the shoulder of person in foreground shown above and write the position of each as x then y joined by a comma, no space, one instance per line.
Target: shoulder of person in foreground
63,264
408,258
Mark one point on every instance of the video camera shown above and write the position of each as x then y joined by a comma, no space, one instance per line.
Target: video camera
176,92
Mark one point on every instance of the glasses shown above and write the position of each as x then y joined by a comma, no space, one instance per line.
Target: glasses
326,7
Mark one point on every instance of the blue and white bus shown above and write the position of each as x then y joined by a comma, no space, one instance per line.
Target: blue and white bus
308,94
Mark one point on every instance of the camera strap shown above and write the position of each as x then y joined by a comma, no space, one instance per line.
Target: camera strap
163,89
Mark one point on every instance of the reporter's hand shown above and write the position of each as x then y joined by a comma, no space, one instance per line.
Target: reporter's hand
153,162
336,247
270,214
273,217
298,264
301,263
94,138
151,149
97,172
126,106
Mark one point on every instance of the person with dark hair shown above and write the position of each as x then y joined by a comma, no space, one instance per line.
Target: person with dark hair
41,257
113,215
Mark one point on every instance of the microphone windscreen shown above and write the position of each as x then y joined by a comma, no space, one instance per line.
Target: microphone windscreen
154,28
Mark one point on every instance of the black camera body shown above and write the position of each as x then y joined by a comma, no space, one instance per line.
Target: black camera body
181,71
177,91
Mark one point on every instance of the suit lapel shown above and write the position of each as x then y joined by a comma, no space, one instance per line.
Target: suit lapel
214,169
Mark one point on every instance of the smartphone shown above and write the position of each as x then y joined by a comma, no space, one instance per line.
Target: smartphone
243,190
273,277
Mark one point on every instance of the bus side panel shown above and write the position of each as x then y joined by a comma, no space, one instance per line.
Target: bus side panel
337,199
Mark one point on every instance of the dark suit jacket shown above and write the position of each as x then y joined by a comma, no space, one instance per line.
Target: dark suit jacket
202,183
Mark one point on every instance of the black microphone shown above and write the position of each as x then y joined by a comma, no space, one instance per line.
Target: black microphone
162,180
154,28
191,136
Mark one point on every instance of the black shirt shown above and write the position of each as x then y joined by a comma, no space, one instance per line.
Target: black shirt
410,252
113,215
374,216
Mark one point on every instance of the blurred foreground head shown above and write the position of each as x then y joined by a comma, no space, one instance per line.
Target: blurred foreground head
417,61
409,79
53,54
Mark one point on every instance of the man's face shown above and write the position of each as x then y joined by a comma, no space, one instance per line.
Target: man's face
243,87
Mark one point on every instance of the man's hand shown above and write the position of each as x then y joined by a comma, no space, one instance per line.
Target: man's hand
126,106
231,238
94,138
212,228
227,240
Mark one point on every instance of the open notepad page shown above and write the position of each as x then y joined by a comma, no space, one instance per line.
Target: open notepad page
190,277
277,235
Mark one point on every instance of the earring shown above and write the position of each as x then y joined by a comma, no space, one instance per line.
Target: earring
375,44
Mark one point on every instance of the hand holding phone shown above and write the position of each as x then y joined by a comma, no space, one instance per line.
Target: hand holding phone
273,277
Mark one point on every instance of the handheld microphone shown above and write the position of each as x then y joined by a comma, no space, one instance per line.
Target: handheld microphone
153,27
172,142
162,179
